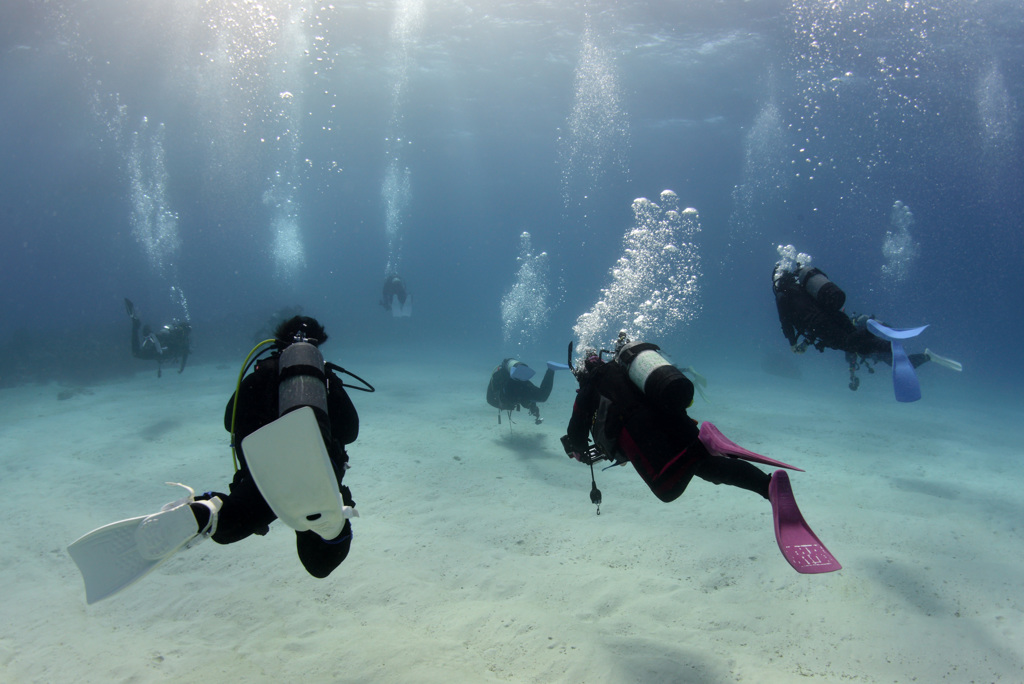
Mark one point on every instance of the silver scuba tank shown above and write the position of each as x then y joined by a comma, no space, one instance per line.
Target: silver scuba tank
664,384
301,379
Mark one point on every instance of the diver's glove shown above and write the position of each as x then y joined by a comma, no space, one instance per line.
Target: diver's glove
588,455
799,348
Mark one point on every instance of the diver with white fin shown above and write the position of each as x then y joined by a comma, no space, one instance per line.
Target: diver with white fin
289,420
395,297
510,389
811,306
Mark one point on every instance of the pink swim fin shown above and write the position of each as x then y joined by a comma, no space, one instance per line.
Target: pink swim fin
720,445
797,541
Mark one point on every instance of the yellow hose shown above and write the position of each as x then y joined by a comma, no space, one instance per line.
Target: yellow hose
234,404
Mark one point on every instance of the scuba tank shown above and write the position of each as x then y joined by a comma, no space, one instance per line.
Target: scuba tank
660,381
823,290
302,382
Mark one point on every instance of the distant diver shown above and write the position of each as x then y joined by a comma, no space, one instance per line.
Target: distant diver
510,389
170,343
395,298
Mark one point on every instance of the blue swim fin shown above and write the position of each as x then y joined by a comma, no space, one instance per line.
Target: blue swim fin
904,379
520,371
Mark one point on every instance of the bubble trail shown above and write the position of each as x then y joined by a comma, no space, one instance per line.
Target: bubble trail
655,286
524,308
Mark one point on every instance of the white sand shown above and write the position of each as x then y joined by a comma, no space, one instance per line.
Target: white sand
478,556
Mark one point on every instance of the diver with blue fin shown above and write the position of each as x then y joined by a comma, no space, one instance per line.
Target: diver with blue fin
510,389
395,297
289,420
811,306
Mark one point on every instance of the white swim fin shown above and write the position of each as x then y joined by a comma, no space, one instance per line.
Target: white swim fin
116,555
943,361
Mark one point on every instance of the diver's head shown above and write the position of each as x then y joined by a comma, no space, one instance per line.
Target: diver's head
299,329
621,341
589,359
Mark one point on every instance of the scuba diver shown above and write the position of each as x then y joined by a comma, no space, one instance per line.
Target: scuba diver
169,343
395,298
289,421
634,407
811,306
510,388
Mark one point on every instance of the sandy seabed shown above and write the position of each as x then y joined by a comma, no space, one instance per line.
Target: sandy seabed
478,556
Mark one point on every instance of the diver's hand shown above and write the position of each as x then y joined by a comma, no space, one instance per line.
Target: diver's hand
799,348
589,457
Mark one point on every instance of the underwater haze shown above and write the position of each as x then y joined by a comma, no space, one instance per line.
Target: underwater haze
538,172
218,161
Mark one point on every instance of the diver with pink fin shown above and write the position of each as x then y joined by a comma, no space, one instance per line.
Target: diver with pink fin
634,407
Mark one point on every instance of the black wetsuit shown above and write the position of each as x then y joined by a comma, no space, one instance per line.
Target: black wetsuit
662,445
393,287
506,394
244,511
169,343
800,315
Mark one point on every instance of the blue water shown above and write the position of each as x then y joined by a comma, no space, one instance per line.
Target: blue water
221,161
254,157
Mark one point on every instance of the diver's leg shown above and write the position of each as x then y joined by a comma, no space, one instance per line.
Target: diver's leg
545,386
243,512
733,471
320,557
136,348
886,358
531,392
